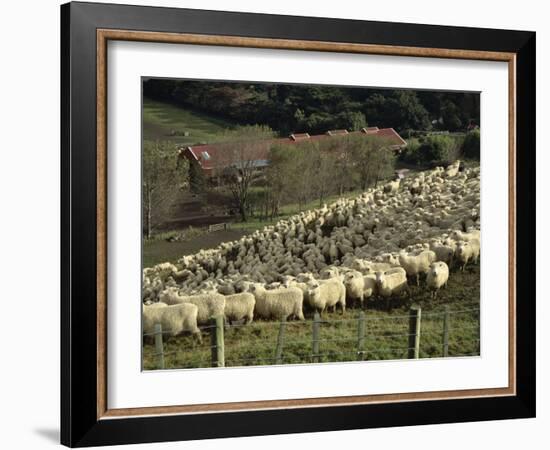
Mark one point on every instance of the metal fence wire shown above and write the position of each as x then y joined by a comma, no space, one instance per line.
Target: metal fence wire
418,334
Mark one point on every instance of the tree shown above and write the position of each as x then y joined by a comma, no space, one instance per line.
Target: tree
197,181
322,180
304,158
399,109
351,120
373,159
436,149
451,116
410,153
384,164
163,176
281,165
343,170
471,146
243,156
316,109
293,175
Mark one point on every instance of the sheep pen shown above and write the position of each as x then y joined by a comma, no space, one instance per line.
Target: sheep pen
365,235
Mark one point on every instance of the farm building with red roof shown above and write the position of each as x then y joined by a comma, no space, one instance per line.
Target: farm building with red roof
214,157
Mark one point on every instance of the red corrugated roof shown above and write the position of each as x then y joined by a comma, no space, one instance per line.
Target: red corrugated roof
390,133
210,156
337,132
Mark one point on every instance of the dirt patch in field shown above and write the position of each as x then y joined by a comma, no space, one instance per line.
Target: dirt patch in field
199,211
155,252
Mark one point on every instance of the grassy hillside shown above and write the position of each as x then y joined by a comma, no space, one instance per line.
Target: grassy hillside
161,120
386,334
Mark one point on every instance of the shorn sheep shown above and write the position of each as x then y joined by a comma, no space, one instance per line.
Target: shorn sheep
240,306
437,277
278,303
174,319
391,283
210,304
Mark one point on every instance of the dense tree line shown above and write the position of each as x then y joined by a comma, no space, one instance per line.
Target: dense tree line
315,108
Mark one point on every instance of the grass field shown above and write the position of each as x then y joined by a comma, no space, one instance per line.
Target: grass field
160,119
386,333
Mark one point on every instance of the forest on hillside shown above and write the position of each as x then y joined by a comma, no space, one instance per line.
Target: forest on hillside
290,108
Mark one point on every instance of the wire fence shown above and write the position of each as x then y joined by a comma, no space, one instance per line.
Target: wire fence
365,336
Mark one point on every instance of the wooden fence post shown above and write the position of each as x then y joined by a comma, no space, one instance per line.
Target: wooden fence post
414,332
316,333
280,342
159,347
361,336
217,342
446,318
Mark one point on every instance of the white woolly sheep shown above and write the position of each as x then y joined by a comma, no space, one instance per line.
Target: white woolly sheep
443,252
392,186
209,304
302,285
414,265
240,306
355,286
365,267
466,251
327,294
388,258
453,169
369,286
458,235
226,289
278,303
330,272
437,277
392,283
174,319
358,233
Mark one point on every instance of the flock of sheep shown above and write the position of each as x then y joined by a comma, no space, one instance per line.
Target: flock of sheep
373,246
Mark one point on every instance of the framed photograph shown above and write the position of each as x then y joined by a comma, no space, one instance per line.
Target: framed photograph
276,224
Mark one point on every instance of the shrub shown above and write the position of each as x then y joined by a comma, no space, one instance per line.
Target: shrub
471,147
410,153
435,149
